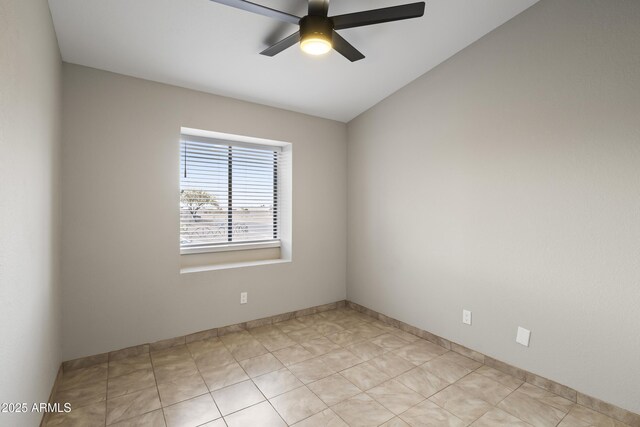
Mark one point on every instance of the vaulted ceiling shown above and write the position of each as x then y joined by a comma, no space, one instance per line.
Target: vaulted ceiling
206,46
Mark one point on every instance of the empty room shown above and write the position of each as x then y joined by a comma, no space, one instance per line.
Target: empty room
309,213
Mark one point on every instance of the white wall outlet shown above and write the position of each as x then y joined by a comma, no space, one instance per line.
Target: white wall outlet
523,336
466,317
243,297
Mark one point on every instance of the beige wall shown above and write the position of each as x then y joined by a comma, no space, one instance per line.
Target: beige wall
507,181
29,205
121,265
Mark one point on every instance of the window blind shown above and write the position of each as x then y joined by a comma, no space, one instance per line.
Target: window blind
228,192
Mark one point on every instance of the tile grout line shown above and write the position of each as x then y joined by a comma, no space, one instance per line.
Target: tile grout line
253,382
157,388
205,382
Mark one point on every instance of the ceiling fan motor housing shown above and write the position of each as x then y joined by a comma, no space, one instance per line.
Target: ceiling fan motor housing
316,27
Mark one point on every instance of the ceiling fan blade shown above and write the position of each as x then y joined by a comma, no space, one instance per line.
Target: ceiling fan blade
345,48
378,16
282,45
318,7
260,10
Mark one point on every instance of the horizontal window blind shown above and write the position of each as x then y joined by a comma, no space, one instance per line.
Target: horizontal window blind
228,192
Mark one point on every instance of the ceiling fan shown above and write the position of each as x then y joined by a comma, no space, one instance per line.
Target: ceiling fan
317,34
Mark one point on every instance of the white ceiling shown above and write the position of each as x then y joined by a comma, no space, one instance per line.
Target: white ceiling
214,48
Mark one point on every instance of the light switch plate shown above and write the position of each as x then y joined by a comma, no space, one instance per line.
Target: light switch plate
523,336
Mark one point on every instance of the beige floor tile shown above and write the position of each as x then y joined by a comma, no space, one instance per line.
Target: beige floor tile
362,411
381,325
171,355
277,382
205,346
341,359
546,397
366,331
332,315
305,334
326,418
446,369
88,416
166,343
423,382
389,341
298,404
395,396
365,376
133,404
334,389
428,414
83,377
320,346
236,397
182,388
276,342
128,383
349,322
345,338
261,365
327,327
262,415
233,340
214,359
361,316
530,410
263,330
311,370
391,364
248,350
484,388
461,404
217,378
592,418
129,364
419,352
461,360
504,379
290,325
366,350
395,422
83,395
150,419
498,418
192,412
292,355
171,371
405,335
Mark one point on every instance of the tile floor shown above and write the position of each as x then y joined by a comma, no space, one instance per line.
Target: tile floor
337,368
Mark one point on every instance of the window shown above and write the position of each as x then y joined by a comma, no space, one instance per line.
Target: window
229,195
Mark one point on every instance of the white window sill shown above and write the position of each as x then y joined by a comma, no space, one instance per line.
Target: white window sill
187,270
231,247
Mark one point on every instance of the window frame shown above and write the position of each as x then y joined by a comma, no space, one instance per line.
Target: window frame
242,142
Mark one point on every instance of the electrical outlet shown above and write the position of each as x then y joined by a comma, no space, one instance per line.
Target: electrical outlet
243,297
523,336
466,317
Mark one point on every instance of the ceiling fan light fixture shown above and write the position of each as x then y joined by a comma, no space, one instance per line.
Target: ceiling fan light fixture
315,35
315,45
